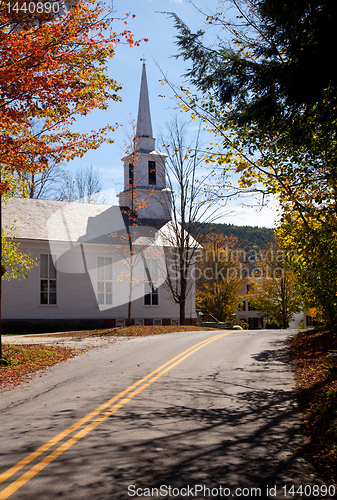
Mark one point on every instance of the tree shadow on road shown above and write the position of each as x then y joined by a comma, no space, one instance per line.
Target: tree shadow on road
237,433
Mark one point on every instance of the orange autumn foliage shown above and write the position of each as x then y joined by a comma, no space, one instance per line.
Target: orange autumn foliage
53,67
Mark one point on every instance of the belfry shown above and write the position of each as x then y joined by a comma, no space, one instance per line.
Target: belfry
145,192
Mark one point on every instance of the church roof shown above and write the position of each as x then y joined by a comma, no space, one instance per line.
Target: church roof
60,220
64,221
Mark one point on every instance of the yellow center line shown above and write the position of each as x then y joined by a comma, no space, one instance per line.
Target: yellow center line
101,418
85,419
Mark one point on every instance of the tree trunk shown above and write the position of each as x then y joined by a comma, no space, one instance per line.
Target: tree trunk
131,284
32,187
130,289
0,272
129,314
182,313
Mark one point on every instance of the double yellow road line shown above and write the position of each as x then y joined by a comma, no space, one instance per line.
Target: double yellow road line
101,413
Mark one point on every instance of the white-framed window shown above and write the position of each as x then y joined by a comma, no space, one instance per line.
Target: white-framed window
175,322
151,293
104,281
157,322
48,294
139,322
151,297
120,323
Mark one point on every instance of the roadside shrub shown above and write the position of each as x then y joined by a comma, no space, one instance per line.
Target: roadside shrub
273,324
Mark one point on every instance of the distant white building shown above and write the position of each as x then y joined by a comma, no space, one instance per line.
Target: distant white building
86,272
247,313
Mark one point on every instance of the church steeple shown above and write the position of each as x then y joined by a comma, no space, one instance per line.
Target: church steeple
145,190
144,126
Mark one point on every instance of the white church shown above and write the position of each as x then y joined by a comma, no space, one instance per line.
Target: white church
99,264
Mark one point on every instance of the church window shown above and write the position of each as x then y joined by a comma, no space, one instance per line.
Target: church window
104,281
152,173
151,293
131,174
151,297
47,280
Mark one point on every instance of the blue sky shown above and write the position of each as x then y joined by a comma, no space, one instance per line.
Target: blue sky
126,67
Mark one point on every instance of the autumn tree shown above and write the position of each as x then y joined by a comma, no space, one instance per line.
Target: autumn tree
315,268
54,182
219,280
15,262
37,183
192,206
273,288
53,68
273,134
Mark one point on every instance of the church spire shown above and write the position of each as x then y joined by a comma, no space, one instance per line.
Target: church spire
145,190
144,126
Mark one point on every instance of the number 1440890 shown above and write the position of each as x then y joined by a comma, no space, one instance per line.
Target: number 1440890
309,491
33,7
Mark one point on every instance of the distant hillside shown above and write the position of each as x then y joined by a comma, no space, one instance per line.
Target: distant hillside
248,236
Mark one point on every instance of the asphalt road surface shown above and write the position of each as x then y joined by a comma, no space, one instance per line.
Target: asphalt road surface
183,415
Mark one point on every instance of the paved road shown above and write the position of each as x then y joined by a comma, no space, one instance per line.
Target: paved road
218,414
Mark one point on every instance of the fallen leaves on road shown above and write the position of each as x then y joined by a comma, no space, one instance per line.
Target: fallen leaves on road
25,360
316,381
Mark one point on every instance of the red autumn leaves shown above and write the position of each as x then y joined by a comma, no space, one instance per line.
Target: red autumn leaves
52,69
